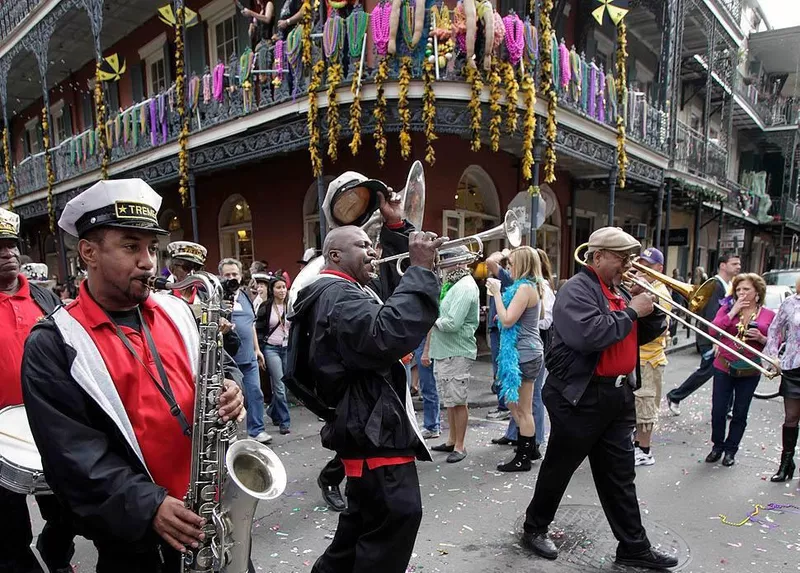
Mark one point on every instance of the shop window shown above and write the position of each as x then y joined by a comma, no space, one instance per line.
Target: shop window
236,230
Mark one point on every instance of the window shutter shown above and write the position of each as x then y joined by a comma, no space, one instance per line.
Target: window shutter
112,89
40,134
137,82
87,107
195,50
169,71
67,119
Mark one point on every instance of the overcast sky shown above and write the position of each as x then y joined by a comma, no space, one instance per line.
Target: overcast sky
782,13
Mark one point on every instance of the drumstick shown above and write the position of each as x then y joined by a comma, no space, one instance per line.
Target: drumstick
13,437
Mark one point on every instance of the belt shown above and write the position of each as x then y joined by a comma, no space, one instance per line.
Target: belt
617,381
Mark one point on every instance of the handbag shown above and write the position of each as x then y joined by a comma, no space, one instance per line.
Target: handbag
741,369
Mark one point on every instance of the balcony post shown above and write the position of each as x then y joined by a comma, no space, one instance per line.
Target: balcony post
193,207
667,223
5,67
62,254
719,228
323,224
573,222
698,213
780,246
659,214
710,56
612,192
674,91
534,205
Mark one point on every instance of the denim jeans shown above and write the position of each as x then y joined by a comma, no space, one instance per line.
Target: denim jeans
253,398
427,386
278,410
742,390
494,344
512,432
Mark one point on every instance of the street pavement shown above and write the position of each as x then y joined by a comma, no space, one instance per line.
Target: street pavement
472,513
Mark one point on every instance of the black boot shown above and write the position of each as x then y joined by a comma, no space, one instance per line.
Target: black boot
522,459
787,467
536,454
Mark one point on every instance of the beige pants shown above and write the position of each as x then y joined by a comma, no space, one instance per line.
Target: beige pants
648,397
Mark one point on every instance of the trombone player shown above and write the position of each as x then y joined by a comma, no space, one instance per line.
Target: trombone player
594,369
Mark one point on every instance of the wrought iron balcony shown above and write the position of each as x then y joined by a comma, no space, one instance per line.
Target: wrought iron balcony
786,209
12,12
772,110
690,151
734,8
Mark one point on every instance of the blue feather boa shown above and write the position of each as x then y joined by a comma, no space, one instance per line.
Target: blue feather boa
508,370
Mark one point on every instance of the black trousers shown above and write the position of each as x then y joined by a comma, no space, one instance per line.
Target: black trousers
378,529
333,472
54,544
600,426
159,559
696,379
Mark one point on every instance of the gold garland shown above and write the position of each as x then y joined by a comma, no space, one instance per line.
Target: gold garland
313,127
545,49
496,110
512,89
12,190
48,166
429,111
180,89
528,126
621,81
100,112
380,110
403,111
355,112
306,34
474,80
335,75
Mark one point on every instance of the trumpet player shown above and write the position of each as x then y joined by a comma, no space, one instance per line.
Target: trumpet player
109,388
593,367
354,342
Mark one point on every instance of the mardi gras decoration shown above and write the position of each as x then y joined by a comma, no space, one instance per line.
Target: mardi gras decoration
403,110
355,112
180,89
429,110
495,109
12,190
614,10
546,38
622,57
306,39
333,44
512,89
314,85
380,110
474,80
48,165
166,15
100,113
415,14
528,125
111,68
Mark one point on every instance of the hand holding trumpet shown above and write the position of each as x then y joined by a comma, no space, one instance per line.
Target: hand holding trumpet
422,247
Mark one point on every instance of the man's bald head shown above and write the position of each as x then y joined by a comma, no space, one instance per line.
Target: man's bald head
349,250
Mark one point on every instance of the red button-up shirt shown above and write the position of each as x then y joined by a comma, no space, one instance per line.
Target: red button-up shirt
167,452
620,358
18,314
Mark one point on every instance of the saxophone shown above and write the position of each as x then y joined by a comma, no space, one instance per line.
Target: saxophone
229,475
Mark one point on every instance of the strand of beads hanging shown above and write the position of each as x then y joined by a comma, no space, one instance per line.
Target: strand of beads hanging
546,38
528,125
100,114
48,166
332,38
534,190
429,111
495,109
381,16
278,79
512,91
355,112
12,190
531,41
403,110
515,37
314,84
407,23
380,110
183,135
357,24
292,48
308,14
333,43
444,33
621,83
476,85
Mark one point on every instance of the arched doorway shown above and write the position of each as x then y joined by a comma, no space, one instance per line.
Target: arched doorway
236,230
477,207
311,233
548,236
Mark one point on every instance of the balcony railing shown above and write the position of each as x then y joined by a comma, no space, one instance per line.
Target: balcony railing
12,12
786,209
773,110
734,8
690,152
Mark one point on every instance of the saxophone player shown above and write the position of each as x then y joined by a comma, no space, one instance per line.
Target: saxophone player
109,388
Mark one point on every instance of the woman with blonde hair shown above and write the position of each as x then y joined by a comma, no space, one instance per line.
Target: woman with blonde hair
521,350
743,315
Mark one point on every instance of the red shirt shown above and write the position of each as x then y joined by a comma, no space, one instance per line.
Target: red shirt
18,314
167,452
620,358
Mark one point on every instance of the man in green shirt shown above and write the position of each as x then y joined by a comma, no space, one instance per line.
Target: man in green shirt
452,347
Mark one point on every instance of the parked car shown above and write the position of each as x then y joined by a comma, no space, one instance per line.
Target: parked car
776,294
787,277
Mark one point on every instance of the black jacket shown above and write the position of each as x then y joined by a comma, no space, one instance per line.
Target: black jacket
89,465
583,326
44,298
355,347
709,312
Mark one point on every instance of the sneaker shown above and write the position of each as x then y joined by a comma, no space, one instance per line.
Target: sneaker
643,459
499,415
430,434
674,407
263,437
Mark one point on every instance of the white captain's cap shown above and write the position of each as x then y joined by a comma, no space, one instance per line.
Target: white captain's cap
9,225
35,271
121,203
188,251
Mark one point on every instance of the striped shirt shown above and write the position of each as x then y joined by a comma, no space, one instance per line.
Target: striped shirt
454,331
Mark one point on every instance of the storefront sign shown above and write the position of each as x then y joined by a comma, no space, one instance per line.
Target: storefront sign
677,237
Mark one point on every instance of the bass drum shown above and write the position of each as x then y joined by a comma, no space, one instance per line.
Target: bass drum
20,463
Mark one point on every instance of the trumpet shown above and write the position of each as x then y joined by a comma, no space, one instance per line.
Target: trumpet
509,230
698,297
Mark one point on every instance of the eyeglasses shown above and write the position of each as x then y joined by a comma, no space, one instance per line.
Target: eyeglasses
625,259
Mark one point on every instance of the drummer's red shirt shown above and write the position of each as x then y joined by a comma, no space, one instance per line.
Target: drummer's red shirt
166,450
18,314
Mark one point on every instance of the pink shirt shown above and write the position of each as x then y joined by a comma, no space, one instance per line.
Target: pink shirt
764,319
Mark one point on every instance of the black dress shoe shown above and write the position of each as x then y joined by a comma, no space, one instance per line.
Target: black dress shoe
540,544
503,441
713,457
332,496
728,460
651,559
444,447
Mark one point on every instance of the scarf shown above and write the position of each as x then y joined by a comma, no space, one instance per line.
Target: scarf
452,278
508,370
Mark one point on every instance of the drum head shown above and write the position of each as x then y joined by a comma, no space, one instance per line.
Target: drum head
16,441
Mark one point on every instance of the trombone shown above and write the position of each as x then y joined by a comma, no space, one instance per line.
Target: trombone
509,230
698,297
